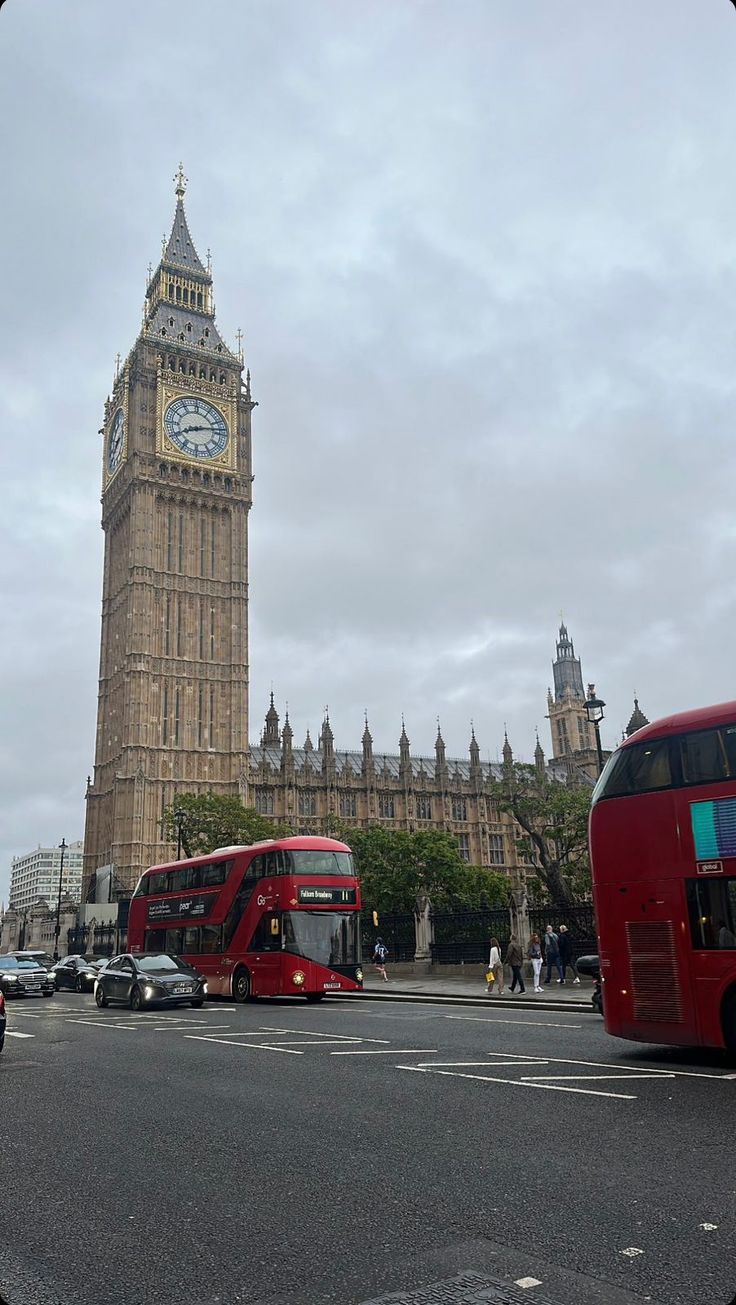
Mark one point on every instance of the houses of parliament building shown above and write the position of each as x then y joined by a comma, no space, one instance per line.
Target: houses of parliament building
173,684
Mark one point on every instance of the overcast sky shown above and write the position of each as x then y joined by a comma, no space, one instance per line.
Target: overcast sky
484,258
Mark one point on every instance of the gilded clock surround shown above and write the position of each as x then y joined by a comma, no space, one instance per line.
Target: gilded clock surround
118,399
195,387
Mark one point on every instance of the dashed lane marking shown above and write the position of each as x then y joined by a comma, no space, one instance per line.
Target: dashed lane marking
257,1046
313,1033
494,1019
108,1024
12,1033
527,1282
510,1082
389,1051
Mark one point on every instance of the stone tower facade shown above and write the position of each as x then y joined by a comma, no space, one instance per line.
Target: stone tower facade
572,734
176,492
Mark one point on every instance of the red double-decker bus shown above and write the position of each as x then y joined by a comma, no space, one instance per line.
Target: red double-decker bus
663,855
273,919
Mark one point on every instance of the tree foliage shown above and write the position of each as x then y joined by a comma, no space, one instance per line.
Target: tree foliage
554,821
396,867
212,820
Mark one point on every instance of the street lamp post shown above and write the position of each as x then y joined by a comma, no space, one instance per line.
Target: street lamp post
179,817
594,710
57,930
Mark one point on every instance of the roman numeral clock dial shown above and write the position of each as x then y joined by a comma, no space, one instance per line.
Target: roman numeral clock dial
196,428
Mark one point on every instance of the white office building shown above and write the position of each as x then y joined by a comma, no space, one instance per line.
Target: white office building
36,874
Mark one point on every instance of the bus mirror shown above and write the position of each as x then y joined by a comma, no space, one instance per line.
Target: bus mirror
274,925
375,919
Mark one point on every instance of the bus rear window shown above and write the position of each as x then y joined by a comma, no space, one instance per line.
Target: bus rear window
637,769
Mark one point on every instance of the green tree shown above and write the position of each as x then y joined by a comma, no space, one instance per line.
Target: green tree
396,867
554,820
212,820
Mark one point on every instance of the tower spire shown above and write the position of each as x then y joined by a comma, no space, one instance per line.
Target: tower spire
181,182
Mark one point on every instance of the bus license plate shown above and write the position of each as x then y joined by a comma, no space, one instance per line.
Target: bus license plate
332,985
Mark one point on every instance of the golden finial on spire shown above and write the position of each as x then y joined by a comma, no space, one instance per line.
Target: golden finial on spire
181,182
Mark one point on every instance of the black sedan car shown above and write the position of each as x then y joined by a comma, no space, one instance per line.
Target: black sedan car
20,978
76,972
152,978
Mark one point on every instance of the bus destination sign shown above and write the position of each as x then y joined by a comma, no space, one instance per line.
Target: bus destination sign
192,907
309,893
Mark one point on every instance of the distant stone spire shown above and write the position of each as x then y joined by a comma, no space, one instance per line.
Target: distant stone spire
271,737
474,751
367,766
308,745
637,720
287,740
539,763
440,767
404,752
327,744
506,752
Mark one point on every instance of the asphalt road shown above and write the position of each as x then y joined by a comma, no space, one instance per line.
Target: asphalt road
279,1154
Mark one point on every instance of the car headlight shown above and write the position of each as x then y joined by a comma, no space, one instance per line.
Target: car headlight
298,978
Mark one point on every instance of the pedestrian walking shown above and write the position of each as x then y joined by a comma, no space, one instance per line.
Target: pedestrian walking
566,957
552,954
515,958
534,952
380,956
495,968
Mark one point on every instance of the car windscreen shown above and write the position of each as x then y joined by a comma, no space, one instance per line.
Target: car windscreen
159,963
8,963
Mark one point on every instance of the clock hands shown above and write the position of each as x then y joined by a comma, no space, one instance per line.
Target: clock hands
186,430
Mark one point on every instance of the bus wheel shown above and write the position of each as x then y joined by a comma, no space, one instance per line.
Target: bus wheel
314,996
241,985
728,1020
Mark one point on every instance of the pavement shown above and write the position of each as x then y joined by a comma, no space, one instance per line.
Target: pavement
359,1153
473,989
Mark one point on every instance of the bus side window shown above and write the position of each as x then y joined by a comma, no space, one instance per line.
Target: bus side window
157,883
174,941
703,757
155,940
267,935
712,909
210,939
235,914
191,941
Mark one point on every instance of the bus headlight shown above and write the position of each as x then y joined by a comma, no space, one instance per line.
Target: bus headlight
298,978
359,975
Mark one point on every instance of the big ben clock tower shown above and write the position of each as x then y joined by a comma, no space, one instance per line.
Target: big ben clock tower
176,491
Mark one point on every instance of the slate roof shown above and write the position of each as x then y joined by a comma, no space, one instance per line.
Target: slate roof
351,763
183,317
180,249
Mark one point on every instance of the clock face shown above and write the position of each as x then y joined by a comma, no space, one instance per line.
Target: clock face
196,427
115,441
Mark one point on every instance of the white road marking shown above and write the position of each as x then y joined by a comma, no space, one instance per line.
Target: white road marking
11,1033
510,1082
708,1227
313,1033
536,1024
604,1064
580,1078
325,1042
259,1046
26,1015
177,1028
388,1051
631,1251
481,1064
528,1282
104,1024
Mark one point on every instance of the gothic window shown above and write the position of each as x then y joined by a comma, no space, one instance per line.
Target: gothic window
178,294
163,330
199,298
179,631
189,327
264,801
172,364
165,717
207,332
177,706
181,541
200,716
463,843
171,290
185,295
307,803
171,321
212,634
182,367
582,733
386,807
424,806
348,805
201,629
170,541
213,546
202,370
212,718
498,854
192,369
167,627
222,378
459,808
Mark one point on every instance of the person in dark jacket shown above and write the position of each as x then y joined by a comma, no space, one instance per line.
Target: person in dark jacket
566,958
552,954
515,959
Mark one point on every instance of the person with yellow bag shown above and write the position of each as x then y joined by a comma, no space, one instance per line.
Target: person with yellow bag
494,973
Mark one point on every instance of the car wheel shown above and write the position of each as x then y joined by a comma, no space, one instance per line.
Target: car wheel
312,997
100,997
241,985
78,984
198,1004
49,994
2,1042
136,999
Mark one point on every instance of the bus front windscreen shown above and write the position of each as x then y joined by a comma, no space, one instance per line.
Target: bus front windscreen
300,861
327,937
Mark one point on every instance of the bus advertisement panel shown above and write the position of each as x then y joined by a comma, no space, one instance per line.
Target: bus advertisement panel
277,918
663,857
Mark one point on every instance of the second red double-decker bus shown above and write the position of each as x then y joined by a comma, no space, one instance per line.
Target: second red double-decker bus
272,919
663,855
